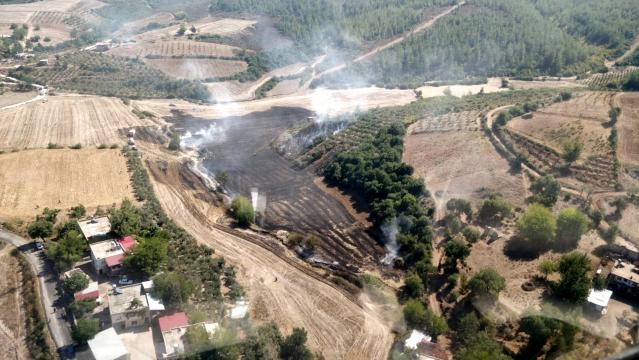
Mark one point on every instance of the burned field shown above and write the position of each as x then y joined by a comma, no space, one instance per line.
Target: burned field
288,197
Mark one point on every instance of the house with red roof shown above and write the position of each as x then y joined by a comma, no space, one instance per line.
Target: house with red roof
173,328
107,256
91,292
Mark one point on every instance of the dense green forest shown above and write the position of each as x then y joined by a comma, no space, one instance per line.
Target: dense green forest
611,24
472,42
340,23
633,59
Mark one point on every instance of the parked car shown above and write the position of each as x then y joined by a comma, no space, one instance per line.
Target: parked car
39,245
125,281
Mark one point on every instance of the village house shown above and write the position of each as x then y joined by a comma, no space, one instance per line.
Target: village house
128,307
173,328
624,277
95,228
599,299
107,256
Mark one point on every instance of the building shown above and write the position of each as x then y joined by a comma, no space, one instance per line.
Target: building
624,277
106,257
95,228
424,347
239,310
173,328
599,299
154,303
92,292
107,345
128,307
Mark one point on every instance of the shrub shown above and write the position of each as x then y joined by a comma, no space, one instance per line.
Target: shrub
455,250
537,226
76,146
471,233
173,288
242,211
413,286
174,144
546,190
77,211
571,225
76,282
487,283
40,228
494,209
575,282
85,330
572,151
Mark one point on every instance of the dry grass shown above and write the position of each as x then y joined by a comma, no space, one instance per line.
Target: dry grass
197,68
461,164
205,26
628,127
66,120
10,97
61,179
12,332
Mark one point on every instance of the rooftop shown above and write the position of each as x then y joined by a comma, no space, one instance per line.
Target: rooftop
171,322
104,249
91,292
415,338
625,270
114,260
599,297
97,226
127,243
106,345
120,298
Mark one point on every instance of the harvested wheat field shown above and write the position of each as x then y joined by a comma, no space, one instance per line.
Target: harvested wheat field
67,120
11,97
628,127
204,26
12,332
61,179
175,48
337,326
194,69
461,164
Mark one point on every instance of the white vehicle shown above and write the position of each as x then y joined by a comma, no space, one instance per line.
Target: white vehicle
125,281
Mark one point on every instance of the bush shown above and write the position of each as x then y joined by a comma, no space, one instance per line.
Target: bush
537,226
413,286
76,282
571,225
40,228
77,212
565,95
242,211
572,151
173,288
494,209
419,317
76,146
293,347
148,256
487,283
471,233
85,330
575,282
455,250
174,144
546,190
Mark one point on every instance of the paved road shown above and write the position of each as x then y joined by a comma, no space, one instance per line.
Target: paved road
58,327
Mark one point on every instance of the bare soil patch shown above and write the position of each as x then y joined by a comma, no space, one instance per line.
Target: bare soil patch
208,25
285,87
67,120
461,164
34,179
628,127
197,68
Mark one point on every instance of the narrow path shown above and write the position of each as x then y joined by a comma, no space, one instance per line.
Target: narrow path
42,93
419,28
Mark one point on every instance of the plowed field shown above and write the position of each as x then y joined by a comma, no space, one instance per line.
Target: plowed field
175,48
197,68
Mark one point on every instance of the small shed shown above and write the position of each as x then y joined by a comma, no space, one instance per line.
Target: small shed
107,345
599,299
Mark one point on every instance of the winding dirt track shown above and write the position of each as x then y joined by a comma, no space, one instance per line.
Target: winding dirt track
337,325
634,46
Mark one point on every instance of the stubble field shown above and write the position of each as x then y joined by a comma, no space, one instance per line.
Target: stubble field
61,179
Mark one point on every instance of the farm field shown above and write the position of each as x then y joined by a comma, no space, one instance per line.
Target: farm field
12,97
292,201
597,81
628,127
175,48
541,138
337,325
67,120
204,26
194,69
61,179
460,164
133,27
12,332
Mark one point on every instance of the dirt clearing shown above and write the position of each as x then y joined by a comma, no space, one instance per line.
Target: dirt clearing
194,69
67,120
61,179
337,326
10,97
461,164
204,26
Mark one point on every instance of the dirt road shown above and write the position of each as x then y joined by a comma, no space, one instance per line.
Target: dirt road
337,326
419,28
58,327
633,47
